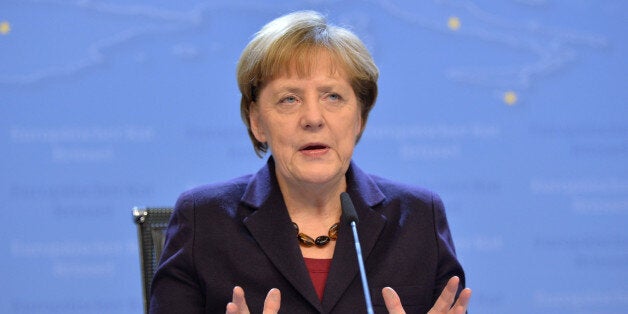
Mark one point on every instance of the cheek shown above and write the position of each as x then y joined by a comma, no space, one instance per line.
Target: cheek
351,132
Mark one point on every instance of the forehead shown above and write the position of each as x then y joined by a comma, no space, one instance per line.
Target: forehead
307,63
321,75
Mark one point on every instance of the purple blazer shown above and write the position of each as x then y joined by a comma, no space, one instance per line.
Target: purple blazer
239,233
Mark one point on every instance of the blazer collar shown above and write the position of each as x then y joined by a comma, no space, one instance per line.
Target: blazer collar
270,225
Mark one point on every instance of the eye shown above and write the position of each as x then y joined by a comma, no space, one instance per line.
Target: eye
288,100
333,97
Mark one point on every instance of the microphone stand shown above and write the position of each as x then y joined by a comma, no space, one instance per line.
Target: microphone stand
348,211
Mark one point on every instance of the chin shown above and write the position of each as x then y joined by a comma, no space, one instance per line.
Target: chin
320,176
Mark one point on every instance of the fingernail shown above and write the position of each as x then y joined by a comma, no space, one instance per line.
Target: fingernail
274,294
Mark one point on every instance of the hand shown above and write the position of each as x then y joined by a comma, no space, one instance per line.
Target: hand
238,302
391,299
442,305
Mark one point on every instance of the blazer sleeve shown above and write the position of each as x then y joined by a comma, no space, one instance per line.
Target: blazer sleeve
175,286
448,264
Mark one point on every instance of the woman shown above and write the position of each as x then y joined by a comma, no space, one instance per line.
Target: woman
307,89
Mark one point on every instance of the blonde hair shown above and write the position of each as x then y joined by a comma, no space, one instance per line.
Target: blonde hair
293,39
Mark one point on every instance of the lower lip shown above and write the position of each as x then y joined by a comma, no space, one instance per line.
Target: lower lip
314,152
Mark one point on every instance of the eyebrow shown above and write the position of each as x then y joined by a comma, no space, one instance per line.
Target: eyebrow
323,88
291,89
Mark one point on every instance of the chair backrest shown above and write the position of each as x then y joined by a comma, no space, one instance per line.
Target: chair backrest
151,231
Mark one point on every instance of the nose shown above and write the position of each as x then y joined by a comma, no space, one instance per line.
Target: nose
312,116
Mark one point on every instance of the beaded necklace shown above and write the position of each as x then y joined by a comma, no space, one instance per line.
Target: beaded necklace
320,241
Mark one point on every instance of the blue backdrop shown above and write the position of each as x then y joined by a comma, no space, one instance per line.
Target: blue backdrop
514,111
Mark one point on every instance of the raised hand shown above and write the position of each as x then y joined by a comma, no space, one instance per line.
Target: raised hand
443,304
238,302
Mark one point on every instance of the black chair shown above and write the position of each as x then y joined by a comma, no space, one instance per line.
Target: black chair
151,231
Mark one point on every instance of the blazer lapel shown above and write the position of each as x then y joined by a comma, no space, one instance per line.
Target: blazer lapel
270,225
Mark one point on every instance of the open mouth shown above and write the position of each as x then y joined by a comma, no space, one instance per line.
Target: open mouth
313,147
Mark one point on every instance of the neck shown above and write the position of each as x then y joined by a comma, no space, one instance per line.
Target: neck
321,201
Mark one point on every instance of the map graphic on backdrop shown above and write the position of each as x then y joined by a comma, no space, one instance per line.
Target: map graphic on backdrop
513,111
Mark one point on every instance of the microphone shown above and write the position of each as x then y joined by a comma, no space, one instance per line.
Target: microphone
349,214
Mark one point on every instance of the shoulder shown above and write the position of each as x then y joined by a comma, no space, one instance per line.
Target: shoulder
407,193
379,190
413,207
215,194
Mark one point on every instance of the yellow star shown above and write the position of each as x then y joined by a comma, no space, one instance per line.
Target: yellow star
510,98
5,27
453,23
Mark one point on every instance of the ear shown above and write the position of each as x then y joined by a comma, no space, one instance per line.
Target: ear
360,125
256,124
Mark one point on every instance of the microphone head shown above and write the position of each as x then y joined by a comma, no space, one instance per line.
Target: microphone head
348,211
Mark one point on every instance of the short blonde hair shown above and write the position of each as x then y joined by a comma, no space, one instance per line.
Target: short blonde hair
292,39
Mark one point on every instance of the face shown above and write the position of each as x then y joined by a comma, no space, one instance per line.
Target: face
310,123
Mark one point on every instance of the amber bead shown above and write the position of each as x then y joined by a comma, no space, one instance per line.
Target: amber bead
321,241
333,231
305,239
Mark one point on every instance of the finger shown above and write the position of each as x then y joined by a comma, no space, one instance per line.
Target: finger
239,300
392,301
446,298
272,301
462,303
231,308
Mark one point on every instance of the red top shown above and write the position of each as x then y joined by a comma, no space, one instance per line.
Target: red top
319,269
